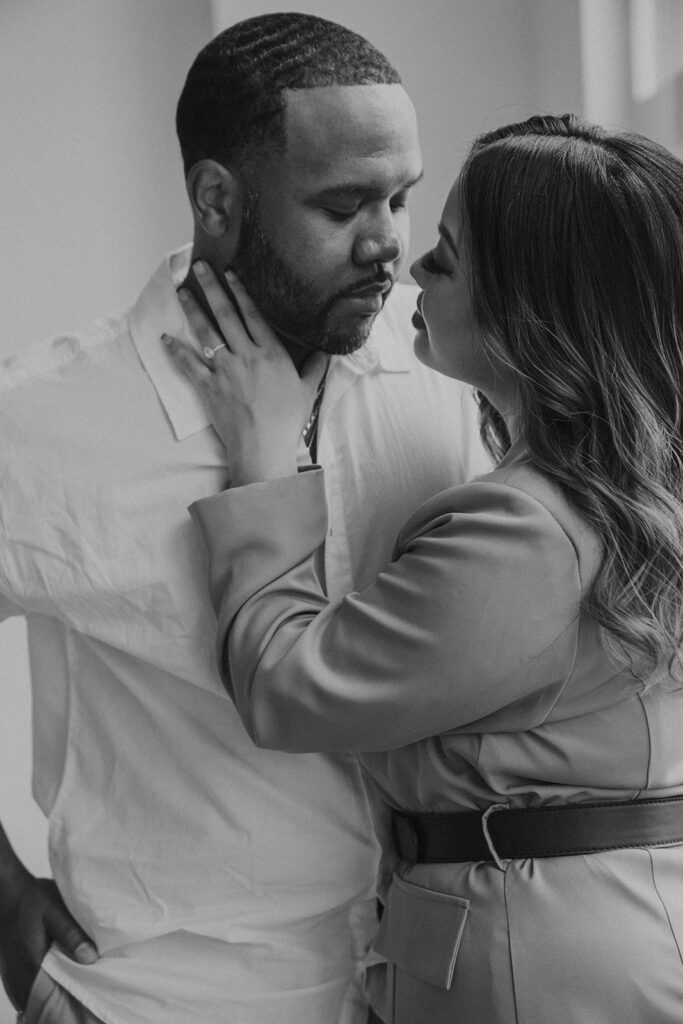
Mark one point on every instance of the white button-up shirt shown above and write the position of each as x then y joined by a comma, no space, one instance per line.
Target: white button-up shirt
220,882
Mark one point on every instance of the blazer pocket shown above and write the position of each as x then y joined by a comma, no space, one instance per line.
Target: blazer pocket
421,931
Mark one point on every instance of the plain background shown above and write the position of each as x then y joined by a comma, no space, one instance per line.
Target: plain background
92,192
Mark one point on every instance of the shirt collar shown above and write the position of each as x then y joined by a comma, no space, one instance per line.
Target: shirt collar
158,311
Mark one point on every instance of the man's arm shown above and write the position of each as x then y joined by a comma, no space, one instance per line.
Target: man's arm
32,917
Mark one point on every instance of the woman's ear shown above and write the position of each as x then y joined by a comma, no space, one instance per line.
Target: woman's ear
216,196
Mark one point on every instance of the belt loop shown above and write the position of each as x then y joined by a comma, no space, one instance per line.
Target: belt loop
487,835
405,838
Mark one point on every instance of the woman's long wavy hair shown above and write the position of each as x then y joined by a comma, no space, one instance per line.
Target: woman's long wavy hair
574,238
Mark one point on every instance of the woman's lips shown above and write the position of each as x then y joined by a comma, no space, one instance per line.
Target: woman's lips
417,320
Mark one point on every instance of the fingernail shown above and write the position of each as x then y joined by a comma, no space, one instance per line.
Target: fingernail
199,267
183,295
231,275
86,953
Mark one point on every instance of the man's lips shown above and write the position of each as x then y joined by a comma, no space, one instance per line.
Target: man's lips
368,299
376,288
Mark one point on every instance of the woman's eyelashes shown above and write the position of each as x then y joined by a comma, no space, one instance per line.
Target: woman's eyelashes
430,264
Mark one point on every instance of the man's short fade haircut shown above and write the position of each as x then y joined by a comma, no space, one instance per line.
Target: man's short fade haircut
232,102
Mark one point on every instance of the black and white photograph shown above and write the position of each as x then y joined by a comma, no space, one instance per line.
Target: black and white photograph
341,512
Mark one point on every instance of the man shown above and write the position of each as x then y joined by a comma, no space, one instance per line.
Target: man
199,879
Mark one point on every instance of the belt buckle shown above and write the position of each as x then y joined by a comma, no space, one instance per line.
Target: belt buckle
405,838
493,809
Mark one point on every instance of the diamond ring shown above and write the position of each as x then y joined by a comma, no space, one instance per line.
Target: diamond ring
209,352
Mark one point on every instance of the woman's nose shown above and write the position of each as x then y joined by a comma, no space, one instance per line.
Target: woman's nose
417,272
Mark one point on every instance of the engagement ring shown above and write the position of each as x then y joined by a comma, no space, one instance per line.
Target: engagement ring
209,352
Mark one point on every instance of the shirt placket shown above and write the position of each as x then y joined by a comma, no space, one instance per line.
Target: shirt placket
335,454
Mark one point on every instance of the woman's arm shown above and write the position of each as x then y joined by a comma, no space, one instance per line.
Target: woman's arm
479,610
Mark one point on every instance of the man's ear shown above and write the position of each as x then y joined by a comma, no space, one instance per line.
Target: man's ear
216,196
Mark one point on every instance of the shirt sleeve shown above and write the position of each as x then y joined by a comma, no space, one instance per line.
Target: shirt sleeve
478,610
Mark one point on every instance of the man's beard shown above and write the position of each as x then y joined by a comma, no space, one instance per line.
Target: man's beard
288,302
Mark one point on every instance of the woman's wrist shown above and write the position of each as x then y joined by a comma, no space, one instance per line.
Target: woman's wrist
257,467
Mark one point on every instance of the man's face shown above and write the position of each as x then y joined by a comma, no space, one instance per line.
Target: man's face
325,227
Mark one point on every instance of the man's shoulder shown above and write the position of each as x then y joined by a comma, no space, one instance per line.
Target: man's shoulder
71,350
58,354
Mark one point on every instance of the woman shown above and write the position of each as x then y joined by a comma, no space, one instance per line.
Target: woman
512,683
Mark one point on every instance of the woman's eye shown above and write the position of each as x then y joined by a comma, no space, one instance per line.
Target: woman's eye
430,264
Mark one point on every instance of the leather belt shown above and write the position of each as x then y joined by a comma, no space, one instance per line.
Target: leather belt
502,833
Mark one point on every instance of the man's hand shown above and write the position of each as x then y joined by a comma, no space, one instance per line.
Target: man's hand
31,919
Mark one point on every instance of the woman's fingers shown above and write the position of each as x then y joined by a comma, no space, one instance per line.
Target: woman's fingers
256,399
228,316
187,360
239,321
202,328
257,327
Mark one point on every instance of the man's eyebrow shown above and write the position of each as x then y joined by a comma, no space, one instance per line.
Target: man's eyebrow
445,233
356,189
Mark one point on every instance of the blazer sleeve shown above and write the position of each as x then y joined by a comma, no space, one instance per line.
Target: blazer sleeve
478,610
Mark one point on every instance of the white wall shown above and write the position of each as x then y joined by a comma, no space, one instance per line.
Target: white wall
92,186
632,65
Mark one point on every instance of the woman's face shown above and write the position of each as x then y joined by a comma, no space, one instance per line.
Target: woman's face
448,339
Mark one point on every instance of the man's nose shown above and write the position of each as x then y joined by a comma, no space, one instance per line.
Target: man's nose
380,243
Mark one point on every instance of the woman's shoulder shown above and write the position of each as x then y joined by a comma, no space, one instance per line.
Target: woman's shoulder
517,501
524,477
